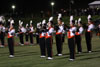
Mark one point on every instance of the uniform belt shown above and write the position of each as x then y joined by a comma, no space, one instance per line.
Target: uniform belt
58,33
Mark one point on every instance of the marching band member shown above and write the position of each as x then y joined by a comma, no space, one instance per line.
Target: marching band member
59,30
63,33
42,39
11,32
78,33
88,34
21,33
48,38
98,30
37,32
71,39
31,33
27,33
2,31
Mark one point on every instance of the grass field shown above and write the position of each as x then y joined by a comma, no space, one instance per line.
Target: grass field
29,56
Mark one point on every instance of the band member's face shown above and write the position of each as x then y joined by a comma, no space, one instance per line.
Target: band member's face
26,26
11,26
71,25
20,26
49,24
59,22
79,24
31,25
89,22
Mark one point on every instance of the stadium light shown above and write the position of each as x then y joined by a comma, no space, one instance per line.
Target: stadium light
13,7
52,4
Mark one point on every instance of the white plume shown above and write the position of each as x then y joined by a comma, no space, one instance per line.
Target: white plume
71,19
26,25
31,22
59,16
11,22
79,20
89,16
50,19
44,21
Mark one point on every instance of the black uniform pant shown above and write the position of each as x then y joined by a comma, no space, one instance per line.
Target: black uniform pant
49,46
37,39
59,43
21,36
26,37
42,46
88,41
11,45
2,37
63,38
31,38
71,44
78,43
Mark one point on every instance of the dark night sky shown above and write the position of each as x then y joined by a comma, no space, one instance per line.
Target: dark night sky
38,5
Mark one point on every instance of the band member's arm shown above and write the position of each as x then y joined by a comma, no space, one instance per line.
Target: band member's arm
74,29
12,32
90,28
61,29
31,30
51,31
81,30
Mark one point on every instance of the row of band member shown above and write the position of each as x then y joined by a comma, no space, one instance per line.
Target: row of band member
73,33
46,30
